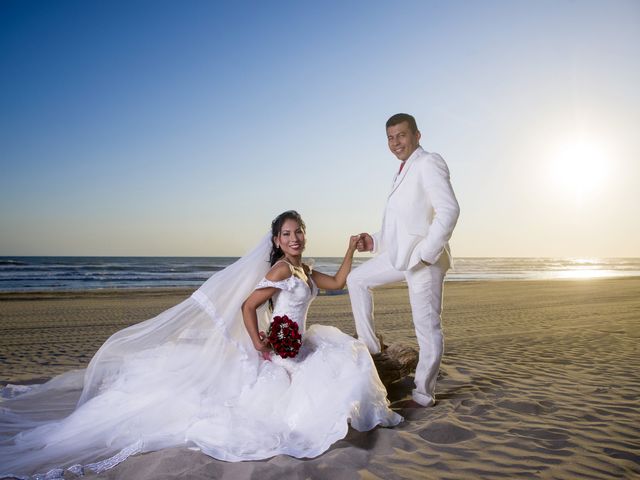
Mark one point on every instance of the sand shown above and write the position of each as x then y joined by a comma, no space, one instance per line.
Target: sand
539,380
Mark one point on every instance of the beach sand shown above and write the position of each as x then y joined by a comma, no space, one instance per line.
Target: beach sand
540,379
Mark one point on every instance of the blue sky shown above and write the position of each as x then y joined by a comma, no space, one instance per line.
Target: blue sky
183,128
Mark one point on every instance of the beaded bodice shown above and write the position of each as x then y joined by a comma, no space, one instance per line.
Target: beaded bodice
293,298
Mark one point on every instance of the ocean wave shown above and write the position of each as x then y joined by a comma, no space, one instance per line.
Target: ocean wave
11,262
88,273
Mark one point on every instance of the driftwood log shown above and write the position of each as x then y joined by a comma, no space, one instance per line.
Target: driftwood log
396,361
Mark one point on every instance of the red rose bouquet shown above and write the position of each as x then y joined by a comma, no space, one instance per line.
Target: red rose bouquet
284,337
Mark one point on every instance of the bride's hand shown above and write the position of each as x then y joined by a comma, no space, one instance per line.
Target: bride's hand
353,243
262,344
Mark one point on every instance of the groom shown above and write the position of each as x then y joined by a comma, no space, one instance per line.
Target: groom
412,245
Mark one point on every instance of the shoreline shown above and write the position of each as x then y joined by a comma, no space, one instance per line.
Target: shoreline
154,291
91,292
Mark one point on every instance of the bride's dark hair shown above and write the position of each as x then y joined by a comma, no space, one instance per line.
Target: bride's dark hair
276,226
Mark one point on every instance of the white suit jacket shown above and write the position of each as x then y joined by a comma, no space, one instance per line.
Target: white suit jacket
420,214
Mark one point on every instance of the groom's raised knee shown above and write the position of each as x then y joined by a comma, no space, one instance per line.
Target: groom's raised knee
354,281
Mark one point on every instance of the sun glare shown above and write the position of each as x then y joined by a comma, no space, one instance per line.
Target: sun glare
579,167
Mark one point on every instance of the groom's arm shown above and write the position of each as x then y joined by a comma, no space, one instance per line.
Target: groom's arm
437,184
375,242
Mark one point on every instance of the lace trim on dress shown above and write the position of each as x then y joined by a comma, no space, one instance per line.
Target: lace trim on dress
121,456
205,304
76,470
79,470
10,390
55,474
13,475
286,284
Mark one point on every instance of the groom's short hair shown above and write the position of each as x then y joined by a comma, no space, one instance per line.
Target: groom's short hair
403,117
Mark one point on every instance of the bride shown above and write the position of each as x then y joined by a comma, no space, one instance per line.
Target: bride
202,375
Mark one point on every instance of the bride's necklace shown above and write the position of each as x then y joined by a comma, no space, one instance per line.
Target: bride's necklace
298,270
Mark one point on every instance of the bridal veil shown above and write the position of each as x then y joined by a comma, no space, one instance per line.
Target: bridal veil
145,387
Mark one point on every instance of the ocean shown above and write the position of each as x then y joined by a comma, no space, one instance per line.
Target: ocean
24,274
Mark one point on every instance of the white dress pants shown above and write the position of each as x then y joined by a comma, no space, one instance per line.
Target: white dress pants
425,294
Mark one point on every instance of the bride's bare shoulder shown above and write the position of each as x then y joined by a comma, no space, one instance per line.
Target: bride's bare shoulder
280,271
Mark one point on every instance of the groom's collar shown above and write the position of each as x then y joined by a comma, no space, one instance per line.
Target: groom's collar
416,152
397,180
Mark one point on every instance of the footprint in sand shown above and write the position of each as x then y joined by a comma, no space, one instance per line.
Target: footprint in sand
550,434
446,433
482,409
612,452
532,408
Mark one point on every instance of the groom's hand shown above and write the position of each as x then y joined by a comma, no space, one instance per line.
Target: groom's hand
365,243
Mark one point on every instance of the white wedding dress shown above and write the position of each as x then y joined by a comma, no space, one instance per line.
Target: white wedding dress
191,377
